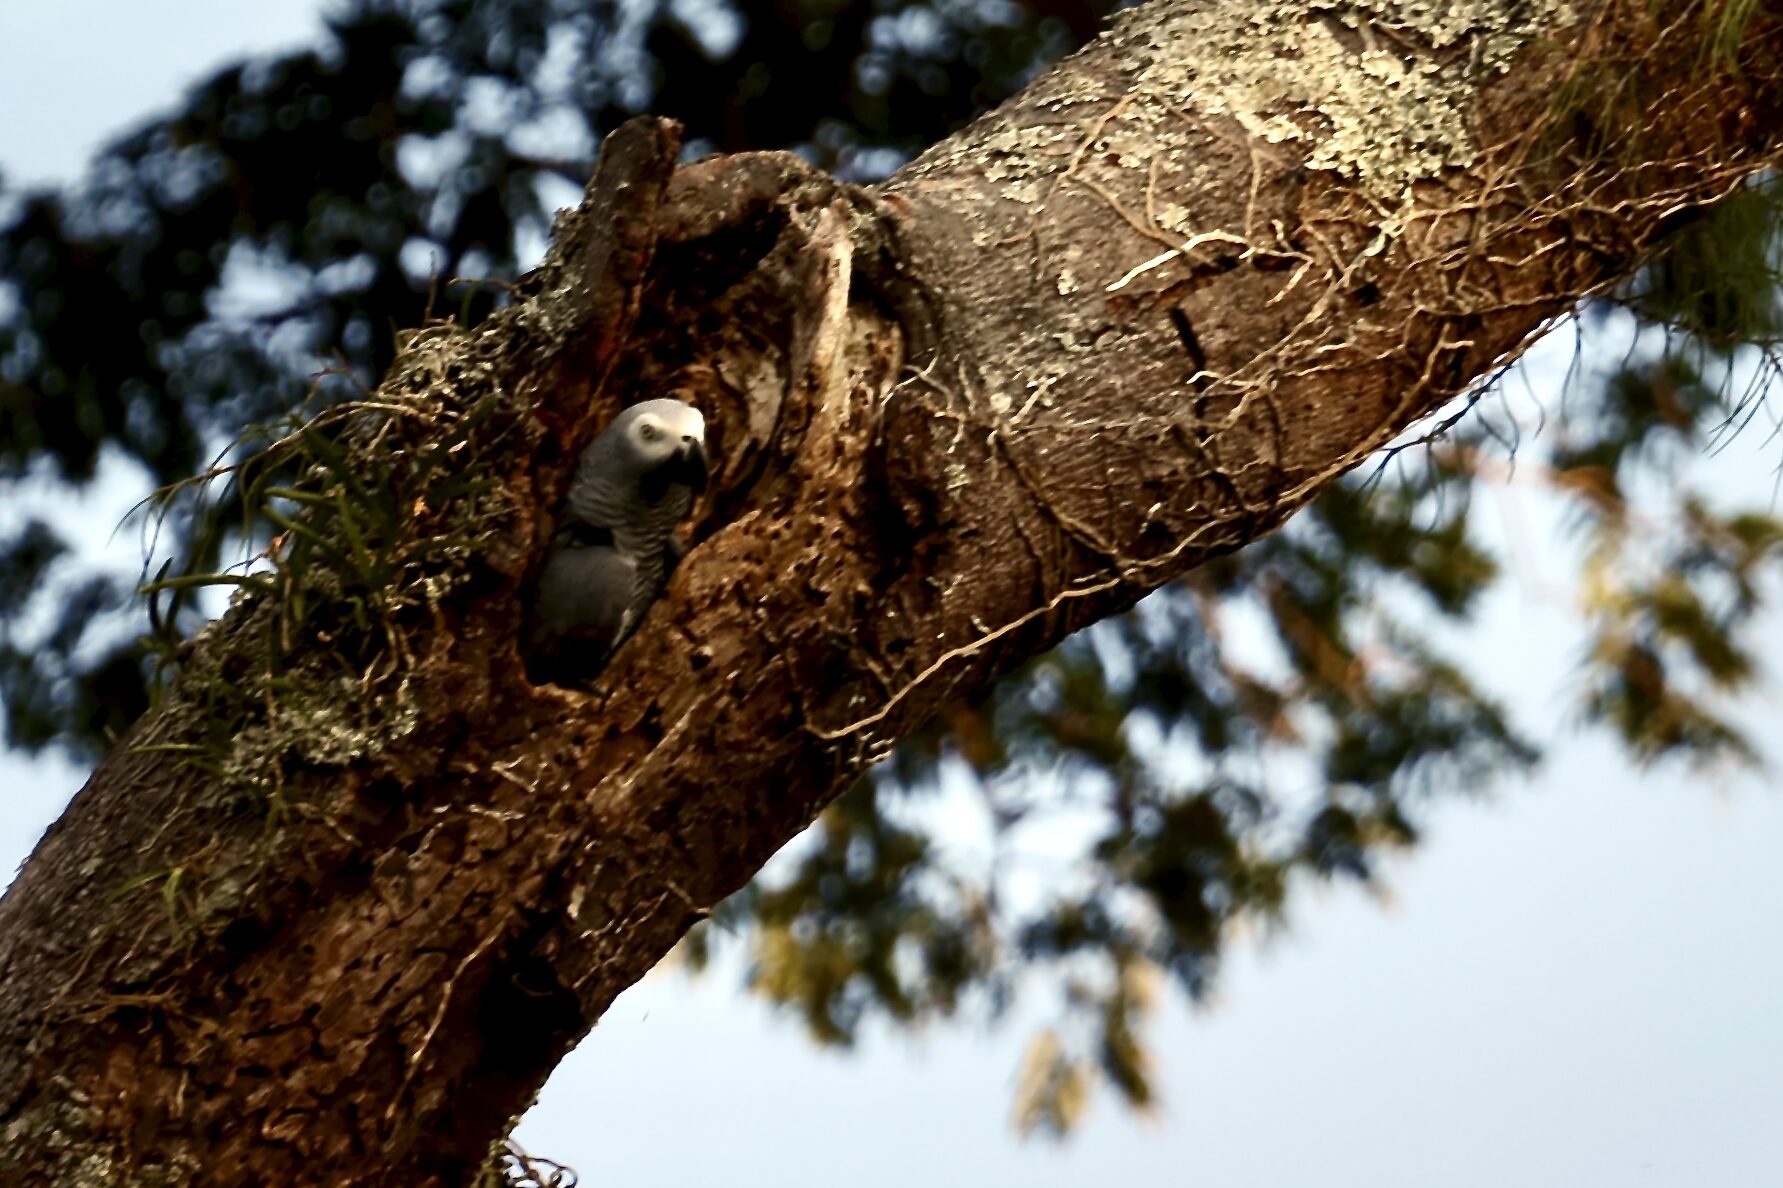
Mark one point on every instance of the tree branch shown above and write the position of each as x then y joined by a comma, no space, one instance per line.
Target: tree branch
1128,322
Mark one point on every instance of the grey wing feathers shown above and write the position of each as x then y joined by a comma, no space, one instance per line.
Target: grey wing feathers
579,613
594,497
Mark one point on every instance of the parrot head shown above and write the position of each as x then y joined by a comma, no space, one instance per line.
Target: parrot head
666,439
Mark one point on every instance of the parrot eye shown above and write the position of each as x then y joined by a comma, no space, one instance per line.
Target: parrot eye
647,431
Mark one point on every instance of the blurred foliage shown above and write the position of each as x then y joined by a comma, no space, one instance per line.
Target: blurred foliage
1097,824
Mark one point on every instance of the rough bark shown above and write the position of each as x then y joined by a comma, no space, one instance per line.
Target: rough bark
1129,321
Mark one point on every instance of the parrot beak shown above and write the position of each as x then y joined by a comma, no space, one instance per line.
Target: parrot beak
691,464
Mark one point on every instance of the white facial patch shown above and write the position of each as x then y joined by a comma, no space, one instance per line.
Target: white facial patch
689,423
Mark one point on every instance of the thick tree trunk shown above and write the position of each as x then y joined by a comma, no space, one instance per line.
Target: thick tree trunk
1131,320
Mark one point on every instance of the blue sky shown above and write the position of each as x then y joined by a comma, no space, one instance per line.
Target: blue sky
1575,981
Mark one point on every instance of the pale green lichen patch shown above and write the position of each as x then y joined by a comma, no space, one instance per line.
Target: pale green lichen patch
1016,158
334,725
1378,91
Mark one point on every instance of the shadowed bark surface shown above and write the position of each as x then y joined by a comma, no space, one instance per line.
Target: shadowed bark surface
1132,320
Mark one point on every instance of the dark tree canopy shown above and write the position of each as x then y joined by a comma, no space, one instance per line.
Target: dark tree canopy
263,243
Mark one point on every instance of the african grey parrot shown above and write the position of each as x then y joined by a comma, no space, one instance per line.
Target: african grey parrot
616,549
